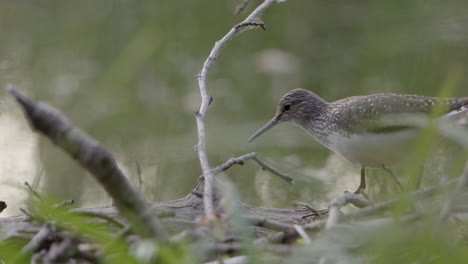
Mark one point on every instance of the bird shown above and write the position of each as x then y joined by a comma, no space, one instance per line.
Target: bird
371,131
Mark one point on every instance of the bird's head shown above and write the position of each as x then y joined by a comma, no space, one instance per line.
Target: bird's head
296,106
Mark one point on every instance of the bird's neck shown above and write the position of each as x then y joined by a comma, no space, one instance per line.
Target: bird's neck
317,122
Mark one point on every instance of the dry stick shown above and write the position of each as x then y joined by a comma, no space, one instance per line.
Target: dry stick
64,203
138,171
335,213
267,167
300,230
340,201
206,99
228,164
38,240
253,156
233,260
314,212
96,159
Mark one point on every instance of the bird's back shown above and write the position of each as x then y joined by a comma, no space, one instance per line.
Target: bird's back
356,114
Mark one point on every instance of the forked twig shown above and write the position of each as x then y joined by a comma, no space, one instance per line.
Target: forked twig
253,156
206,99
341,201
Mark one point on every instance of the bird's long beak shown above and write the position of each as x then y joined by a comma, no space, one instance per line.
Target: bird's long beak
273,122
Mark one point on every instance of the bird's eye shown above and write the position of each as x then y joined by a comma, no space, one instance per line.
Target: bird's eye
287,107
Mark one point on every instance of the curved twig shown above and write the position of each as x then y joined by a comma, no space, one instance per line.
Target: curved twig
253,156
206,99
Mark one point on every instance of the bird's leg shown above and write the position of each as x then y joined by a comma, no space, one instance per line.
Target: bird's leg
393,176
362,184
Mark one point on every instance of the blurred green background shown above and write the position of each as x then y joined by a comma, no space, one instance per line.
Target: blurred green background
124,71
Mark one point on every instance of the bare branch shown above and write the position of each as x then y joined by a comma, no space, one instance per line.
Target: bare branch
341,201
96,159
300,230
205,101
267,167
240,160
38,240
267,223
138,171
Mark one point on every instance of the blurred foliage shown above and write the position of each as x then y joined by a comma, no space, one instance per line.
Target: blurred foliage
124,71
100,239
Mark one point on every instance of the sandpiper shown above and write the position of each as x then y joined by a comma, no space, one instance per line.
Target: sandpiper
357,128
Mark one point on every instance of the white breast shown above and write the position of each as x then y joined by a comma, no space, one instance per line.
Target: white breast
373,150
459,116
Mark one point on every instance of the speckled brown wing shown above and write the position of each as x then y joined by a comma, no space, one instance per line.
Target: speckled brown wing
359,114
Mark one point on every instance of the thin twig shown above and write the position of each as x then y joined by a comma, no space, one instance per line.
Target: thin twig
241,7
267,167
138,171
206,99
198,194
100,215
232,161
300,230
27,215
30,188
38,176
64,203
38,240
314,212
240,161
